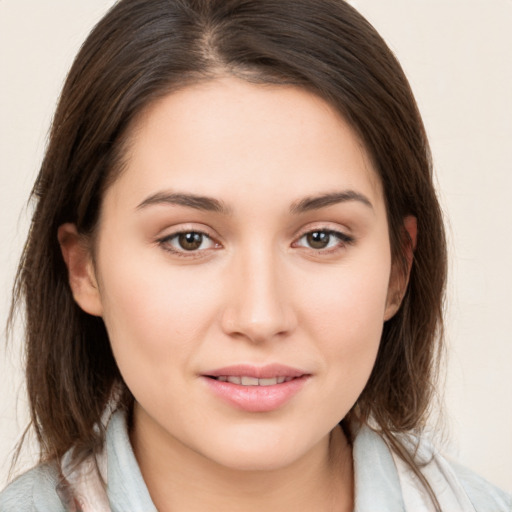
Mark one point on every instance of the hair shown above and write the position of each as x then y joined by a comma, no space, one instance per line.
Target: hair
143,50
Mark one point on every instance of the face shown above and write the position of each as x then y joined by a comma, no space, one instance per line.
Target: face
242,268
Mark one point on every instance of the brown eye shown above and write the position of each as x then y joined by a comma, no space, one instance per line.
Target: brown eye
318,239
323,240
190,241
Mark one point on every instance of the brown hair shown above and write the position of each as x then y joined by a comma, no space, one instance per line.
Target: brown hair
144,49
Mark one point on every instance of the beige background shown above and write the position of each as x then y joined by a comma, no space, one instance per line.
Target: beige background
458,56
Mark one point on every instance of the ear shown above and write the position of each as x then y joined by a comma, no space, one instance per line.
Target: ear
399,278
82,279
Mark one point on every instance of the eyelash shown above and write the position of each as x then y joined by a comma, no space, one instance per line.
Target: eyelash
343,241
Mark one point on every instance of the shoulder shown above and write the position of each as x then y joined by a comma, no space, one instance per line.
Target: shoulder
455,483
484,496
34,491
464,485
377,466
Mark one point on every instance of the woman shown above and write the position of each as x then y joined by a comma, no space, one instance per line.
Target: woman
235,271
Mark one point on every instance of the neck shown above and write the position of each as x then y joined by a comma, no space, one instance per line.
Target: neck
180,480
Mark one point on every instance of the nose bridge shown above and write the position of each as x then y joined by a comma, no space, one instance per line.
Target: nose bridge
259,307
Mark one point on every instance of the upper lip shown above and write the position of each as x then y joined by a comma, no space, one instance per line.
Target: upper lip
260,372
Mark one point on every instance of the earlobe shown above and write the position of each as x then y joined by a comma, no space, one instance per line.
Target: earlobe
399,278
82,279
393,303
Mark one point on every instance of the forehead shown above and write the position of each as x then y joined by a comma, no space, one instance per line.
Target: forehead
226,135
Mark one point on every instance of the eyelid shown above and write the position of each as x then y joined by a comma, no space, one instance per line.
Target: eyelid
186,227
343,232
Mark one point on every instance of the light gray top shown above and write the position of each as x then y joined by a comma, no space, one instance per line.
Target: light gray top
381,483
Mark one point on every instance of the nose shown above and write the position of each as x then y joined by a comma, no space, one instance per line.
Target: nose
260,305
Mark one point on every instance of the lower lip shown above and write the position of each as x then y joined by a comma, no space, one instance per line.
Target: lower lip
257,398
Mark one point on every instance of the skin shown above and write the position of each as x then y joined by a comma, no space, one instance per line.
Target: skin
255,291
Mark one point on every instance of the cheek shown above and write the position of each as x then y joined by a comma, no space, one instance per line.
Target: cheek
349,302
155,315
346,315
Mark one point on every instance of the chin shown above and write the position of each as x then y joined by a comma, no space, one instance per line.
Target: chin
254,450
257,461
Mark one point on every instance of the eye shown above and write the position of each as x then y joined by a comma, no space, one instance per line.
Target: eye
321,239
187,241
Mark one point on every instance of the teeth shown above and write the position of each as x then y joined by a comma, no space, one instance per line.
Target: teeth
253,381
249,381
268,382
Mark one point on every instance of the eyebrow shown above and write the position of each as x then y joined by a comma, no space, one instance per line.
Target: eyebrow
204,203
211,204
324,200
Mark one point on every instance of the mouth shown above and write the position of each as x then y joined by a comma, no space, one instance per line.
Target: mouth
273,373
245,380
256,389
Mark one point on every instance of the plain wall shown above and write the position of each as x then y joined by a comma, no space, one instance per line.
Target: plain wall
458,57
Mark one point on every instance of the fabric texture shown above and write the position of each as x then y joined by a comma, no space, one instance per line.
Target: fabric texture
383,483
